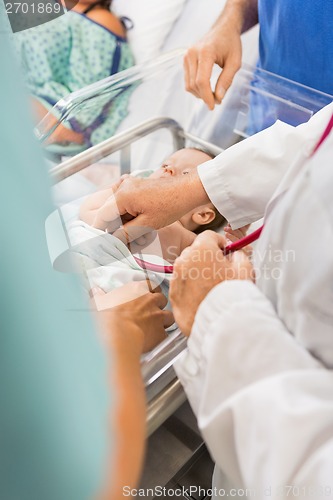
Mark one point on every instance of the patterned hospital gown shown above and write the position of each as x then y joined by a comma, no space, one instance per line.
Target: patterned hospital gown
67,54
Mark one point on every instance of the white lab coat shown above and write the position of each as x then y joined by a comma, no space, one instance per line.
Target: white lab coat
258,368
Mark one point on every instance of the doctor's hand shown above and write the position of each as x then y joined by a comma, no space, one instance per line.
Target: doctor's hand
133,316
198,270
145,204
221,46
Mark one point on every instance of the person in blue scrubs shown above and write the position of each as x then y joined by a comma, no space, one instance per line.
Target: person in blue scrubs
295,40
63,398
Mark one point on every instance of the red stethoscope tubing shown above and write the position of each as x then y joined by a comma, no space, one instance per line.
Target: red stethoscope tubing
156,268
233,247
243,242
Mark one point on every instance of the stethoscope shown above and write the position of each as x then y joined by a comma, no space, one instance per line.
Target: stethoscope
236,245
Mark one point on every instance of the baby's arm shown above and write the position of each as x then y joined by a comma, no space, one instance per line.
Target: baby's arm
92,203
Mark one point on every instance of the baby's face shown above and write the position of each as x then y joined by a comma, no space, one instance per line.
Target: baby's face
181,163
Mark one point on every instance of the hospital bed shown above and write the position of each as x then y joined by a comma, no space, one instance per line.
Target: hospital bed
164,28
156,129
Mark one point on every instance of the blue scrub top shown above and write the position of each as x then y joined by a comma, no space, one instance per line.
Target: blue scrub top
54,405
296,41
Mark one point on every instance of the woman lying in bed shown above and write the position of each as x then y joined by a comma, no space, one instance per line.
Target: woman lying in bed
85,45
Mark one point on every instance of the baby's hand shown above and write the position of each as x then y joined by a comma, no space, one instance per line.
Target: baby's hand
233,235
89,210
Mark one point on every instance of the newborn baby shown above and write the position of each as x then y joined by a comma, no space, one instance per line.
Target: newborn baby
108,263
179,235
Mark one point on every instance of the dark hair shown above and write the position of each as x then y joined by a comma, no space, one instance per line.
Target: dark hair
202,150
217,223
106,4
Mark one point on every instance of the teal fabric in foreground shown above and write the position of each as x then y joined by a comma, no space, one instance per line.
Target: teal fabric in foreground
53,377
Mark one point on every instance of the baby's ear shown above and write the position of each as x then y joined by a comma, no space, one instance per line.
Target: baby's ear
203,215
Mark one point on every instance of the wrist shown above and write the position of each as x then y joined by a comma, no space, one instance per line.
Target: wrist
236,16
193,190
233,15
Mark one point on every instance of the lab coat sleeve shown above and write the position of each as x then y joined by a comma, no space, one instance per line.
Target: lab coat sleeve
264,404
242,179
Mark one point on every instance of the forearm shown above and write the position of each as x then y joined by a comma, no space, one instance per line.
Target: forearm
152,203
192,191
129,419
241,14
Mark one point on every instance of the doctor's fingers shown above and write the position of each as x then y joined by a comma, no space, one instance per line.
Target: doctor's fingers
210,239
157,299
190,65
206,248
168,318
136,236
206,62
156,302
117,184
154,329
119,208
108,216
199,62
242,268
226,77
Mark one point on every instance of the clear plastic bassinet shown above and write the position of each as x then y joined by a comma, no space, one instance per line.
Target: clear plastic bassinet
162,117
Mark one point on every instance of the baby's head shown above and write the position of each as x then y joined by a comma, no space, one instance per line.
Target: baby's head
181,163
105,4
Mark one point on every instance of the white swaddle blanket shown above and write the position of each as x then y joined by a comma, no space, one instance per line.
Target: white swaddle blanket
106,262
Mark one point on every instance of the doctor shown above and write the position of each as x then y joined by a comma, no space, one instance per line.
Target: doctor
258,369
72,418
295,38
